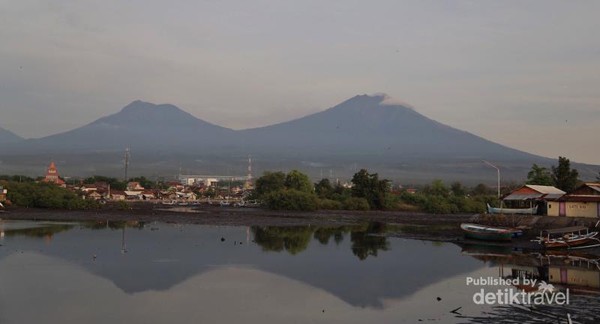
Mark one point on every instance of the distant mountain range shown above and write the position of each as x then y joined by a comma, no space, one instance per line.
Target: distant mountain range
363,131
7,136
140,125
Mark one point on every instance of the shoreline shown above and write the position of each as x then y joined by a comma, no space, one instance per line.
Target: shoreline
211,215
410,225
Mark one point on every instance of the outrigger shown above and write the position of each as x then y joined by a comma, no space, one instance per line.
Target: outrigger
576,237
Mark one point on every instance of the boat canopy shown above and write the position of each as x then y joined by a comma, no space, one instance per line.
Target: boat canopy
566,230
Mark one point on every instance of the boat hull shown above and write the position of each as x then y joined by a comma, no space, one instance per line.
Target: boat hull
570,244
477,232
573,241
510,211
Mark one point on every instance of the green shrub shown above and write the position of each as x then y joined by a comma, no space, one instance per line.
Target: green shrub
356,203
291,200
329,204
46,195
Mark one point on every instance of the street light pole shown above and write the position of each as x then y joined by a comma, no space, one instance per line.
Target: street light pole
497,169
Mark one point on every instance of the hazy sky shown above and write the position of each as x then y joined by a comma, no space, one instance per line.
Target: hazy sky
522,73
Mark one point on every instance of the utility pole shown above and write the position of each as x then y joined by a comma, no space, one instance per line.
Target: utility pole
497,169
126,163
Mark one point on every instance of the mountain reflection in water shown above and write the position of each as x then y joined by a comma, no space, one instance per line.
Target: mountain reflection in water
357,270
356,263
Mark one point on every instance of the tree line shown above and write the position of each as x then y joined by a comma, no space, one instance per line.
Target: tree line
561,176
294,191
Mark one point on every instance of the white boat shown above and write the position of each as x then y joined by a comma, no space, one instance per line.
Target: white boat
520,211
487,233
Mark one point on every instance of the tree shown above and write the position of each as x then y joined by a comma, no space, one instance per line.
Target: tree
481,190
297,180
563,176
369,186
437,188
291,200
269,182
458,189
539,175
324,189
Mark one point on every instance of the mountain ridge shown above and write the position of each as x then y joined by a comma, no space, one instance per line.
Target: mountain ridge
7,136
365,130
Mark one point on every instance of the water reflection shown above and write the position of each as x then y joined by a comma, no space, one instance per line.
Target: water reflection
160,256
577,272
366,239
291,239
100,225
189,273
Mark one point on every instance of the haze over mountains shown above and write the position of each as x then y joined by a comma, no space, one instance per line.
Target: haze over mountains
363,131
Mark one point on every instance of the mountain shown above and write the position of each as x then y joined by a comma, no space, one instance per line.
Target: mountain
362,132
367,125
142,126
7,136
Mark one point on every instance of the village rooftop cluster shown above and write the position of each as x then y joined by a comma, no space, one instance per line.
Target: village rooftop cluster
183,192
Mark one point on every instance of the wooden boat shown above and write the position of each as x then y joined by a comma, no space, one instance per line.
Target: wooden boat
576,237
519,211
486,233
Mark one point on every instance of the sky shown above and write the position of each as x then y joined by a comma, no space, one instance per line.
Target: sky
524,74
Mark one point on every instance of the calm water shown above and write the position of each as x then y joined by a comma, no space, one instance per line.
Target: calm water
159,273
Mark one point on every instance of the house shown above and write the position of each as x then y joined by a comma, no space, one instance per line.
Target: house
187,196
93,195
148,195
584,201
133,195
134,186
529,196
117,195
3,193
88,188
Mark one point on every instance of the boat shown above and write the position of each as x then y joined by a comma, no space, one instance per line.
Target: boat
520,211
486,233
575,237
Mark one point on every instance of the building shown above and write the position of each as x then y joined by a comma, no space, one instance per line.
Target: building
584,201
3,193
52,175
530,196
117,195
93,195
134,186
